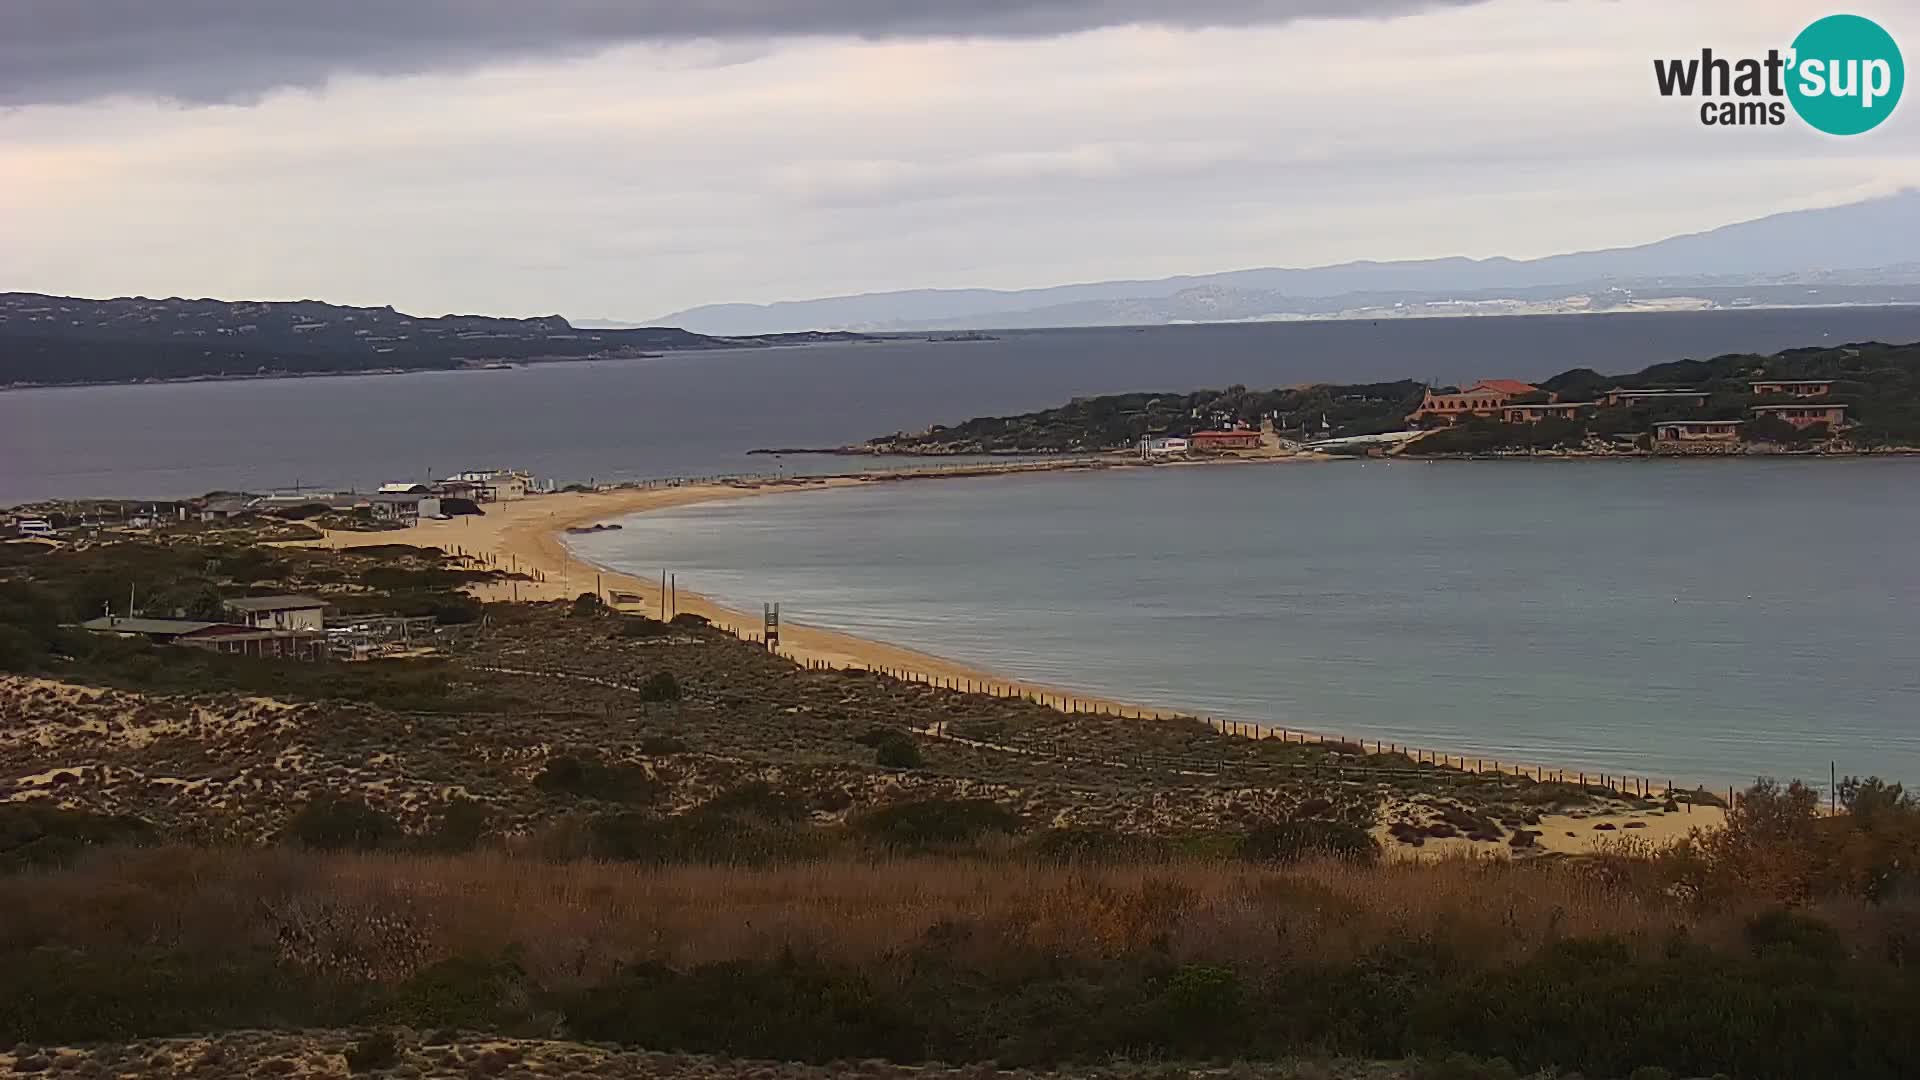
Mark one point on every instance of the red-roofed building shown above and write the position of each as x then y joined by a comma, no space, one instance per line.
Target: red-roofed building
1533,414
1805,416
1510,387
1484,398
1795,387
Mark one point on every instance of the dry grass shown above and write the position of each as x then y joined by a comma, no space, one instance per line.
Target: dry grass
578,921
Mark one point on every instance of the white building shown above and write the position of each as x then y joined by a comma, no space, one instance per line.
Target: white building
1161,447
406,509
279,612
491,485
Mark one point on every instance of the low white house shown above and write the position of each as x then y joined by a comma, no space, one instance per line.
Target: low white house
279,612
406,509
489,485
1160,447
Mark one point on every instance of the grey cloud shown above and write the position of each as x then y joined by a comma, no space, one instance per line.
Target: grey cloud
224,51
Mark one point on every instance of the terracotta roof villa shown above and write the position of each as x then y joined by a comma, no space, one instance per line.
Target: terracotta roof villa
1795,387
1510,387
1484,398
1802,416
1538,411
1620,395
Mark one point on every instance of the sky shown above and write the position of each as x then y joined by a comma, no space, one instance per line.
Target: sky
623,159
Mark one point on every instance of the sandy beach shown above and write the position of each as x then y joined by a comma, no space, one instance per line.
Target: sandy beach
528,536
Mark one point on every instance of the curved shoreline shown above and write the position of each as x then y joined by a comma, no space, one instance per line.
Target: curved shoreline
530,536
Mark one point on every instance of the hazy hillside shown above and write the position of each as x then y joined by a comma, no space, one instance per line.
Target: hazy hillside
1783,249
59,339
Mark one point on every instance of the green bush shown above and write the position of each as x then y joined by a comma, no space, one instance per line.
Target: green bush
935,823
342,823
32,835
726,835
591,778
1195,1007
787,1009
374,1052
461,826
639,626
1083,843
659,686
1592,1005
479,993
756,799
20,650
898,752
1786,933
69,996
1290,841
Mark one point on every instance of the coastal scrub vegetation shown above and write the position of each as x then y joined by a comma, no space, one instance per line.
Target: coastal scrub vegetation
1879,384
547,721
916,958
575,824
58,340
1119,421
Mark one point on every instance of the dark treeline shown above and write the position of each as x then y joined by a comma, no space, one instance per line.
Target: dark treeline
1879,383
1119,421
54,340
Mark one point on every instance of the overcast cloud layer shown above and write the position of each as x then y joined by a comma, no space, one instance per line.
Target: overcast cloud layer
202,51
625,179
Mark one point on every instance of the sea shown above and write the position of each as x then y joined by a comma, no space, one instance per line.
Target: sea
697,414
1704,622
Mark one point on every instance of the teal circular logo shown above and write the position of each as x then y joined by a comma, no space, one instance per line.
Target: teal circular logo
1847,75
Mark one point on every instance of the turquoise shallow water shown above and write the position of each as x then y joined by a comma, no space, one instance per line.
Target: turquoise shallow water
1705,621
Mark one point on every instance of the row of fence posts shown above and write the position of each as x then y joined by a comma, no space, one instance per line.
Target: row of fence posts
1636,786
1622,784
1618,783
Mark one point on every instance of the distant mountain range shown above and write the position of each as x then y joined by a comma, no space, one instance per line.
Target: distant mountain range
1858,253
59,339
